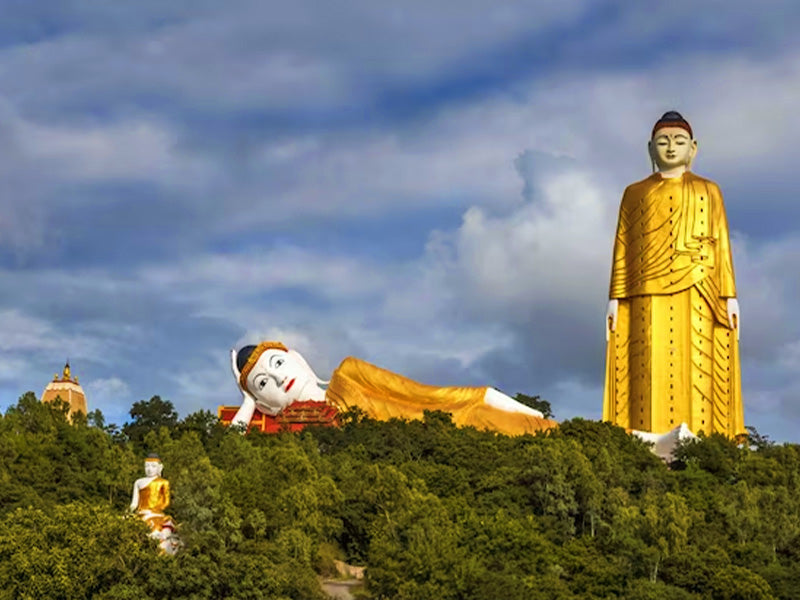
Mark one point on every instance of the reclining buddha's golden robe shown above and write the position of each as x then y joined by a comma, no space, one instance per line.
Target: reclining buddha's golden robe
383,395
673,357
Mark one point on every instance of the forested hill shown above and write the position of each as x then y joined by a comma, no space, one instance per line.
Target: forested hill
433,511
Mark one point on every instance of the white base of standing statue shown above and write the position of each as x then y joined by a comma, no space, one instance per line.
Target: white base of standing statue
665,444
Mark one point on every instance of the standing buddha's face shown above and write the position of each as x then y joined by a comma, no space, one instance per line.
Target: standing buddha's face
672,147
279,378
152,468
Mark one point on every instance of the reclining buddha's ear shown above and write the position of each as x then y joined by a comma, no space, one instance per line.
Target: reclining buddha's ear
234,365
239,360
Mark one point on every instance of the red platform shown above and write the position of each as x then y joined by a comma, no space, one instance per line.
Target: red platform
295,417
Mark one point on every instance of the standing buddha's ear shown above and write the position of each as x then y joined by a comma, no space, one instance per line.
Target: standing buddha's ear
651,155
692,155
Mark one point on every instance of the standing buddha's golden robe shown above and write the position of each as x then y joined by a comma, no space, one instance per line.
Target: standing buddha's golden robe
383,395
673,358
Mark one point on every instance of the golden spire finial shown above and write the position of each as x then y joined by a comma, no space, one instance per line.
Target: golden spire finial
66,371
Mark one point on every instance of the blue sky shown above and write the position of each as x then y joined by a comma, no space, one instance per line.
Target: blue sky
430,186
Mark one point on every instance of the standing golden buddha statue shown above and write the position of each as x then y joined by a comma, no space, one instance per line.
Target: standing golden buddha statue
673,318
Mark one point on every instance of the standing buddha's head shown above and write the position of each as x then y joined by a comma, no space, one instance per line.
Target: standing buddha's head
672,142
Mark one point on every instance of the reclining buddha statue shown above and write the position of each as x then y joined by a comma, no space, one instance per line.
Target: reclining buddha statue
275,381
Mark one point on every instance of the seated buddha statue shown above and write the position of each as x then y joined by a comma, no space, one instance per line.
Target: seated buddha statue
149,500
274,380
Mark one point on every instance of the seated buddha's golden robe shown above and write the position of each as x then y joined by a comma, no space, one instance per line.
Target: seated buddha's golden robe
153,501
673,357
383,395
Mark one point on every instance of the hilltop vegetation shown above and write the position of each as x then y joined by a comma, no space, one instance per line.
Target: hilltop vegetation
433,511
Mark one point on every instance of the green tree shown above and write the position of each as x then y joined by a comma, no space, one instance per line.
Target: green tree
739,583
74,550
536,402
149,415
431,509
45,458
643,589
664,526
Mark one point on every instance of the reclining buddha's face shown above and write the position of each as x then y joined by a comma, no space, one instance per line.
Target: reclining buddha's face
279,378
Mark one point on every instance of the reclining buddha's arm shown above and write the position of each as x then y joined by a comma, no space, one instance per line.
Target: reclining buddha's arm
245,412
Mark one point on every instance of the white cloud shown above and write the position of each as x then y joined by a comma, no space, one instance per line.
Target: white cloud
218,281
459,156
204,388
463,156
260,55
11,366
22,332
42,163
553,250
112,395
767,294
135,149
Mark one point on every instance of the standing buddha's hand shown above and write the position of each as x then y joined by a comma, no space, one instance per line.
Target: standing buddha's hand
611,317
733,315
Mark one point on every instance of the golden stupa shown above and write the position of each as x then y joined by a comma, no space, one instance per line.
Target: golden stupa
68,389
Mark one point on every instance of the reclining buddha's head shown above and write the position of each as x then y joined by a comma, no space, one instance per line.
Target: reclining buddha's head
276,376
